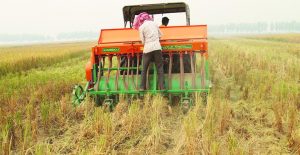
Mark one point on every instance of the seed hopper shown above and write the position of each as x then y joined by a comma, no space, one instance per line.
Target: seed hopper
115,66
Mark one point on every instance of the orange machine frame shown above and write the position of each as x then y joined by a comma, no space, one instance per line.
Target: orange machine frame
126,41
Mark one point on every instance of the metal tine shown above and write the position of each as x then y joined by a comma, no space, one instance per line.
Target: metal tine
202,71
124,81
181,70
193,70
109,69
103,61
128,66
118,72
137,70
98,75
147,78
170,70
132,74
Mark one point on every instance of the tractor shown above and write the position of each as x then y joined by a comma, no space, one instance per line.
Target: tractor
115,66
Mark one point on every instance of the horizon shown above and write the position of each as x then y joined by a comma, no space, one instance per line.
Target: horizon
46,17
49,21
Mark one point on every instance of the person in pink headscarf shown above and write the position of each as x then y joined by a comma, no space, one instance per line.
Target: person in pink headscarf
140,19
149,34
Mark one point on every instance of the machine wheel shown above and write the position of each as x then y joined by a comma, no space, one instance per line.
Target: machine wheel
185,106
204,97
77,95
107,105
98,100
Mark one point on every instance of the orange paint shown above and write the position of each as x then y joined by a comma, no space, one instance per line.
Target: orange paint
88,71
122,41
128,35
126,40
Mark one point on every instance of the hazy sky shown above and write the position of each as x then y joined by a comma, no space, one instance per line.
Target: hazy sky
56,16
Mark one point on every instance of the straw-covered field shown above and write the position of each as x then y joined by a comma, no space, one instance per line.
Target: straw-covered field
253,108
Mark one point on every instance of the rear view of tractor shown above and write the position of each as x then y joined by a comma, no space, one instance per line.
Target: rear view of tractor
115,66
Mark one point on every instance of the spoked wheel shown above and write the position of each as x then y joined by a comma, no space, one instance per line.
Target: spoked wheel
185,106
98,100
108,105
77,95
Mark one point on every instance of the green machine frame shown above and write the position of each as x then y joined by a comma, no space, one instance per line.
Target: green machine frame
111,78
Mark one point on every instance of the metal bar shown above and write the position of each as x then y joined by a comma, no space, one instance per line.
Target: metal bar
207,70
83,95
147,78
163,51
193,71
202,71
118,72
131,74
170,70
137,70
137,41
103,66
181,71
86,87
99,74
124,81
195,64
94,73
128,65
121,68
177,91
108,73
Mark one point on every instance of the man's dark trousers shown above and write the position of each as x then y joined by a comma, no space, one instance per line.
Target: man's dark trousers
155,56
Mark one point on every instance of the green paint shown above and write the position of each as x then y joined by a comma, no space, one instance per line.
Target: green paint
177,47
175,85
108,90
207,71
111,49
79,94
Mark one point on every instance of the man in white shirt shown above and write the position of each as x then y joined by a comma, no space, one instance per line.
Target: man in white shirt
149,35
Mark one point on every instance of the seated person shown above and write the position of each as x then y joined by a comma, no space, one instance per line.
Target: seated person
176,57
165,21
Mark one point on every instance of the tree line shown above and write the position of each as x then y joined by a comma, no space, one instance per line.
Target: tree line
259,27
